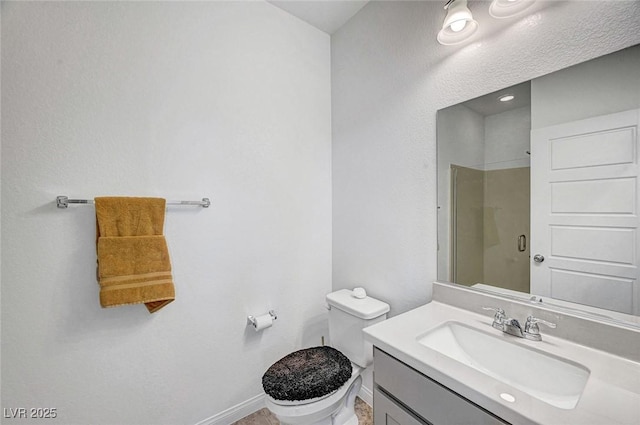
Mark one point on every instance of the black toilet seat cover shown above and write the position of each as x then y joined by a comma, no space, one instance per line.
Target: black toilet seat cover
305,374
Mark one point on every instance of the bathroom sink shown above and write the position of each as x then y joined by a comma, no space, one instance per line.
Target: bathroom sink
551,379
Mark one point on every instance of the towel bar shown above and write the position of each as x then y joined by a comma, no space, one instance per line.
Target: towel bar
64,201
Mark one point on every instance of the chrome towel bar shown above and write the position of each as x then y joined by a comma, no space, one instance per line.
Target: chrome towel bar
64,201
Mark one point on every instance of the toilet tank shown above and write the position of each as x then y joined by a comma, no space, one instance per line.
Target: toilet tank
348,316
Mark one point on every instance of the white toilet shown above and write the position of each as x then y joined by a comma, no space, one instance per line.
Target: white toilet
349,313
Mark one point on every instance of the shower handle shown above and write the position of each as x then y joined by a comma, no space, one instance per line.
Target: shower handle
522,243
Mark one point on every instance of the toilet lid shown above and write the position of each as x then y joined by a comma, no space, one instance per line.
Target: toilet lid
309,373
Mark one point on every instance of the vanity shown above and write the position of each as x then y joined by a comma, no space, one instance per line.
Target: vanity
448,363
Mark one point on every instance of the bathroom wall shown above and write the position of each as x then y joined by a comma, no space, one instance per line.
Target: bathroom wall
182,100
569,95
389,77
507,139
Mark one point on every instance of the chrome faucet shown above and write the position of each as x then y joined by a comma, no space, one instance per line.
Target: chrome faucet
498,318
511,326
531,329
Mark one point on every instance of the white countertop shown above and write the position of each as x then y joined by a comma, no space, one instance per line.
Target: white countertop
611,395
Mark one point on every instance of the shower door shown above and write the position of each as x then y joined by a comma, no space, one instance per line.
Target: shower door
490,226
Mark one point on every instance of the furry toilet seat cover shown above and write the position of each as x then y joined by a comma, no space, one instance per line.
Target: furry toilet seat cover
305,374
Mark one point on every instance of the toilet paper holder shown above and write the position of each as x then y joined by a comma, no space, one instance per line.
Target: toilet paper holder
251,320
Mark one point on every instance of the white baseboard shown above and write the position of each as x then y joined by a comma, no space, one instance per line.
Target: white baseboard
366,395
237,412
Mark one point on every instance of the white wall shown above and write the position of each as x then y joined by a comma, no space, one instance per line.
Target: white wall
507,139
229,100
389,77
570,95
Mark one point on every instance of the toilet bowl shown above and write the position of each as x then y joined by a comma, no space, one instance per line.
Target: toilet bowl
297,400
336,408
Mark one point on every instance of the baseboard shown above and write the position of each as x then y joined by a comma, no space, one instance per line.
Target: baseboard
366,395
256,403
236,412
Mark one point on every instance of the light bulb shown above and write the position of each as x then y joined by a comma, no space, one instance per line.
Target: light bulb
507,8
458,25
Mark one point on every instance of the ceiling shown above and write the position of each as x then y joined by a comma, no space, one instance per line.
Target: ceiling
326,15
490,105
330,15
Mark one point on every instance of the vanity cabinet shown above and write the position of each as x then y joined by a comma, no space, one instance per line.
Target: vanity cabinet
404,396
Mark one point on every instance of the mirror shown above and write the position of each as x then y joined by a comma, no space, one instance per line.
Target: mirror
539,194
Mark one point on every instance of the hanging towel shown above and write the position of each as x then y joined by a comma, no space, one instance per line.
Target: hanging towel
133,258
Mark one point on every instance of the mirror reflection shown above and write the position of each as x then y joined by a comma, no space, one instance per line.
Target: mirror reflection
537,186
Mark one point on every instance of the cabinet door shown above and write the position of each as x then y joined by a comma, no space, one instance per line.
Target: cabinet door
429,399
387,412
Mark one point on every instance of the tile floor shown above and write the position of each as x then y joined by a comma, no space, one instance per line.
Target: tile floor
264,417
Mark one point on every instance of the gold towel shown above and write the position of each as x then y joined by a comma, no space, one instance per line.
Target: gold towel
130,216
133,258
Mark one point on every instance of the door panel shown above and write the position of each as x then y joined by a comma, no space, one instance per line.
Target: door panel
604,244
617,196
605,291
388,412
595,149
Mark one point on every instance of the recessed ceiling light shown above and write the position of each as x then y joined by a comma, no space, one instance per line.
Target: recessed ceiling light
506,97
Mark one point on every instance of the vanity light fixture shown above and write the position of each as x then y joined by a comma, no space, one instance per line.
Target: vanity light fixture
506,97
508,8
458,25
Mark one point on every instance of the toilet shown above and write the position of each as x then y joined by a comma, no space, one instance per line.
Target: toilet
319,385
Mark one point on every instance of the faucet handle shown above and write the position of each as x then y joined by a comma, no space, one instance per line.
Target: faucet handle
531,329
498,318
498,310
534,320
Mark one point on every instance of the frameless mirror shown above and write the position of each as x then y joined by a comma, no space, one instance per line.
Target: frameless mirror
538,191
